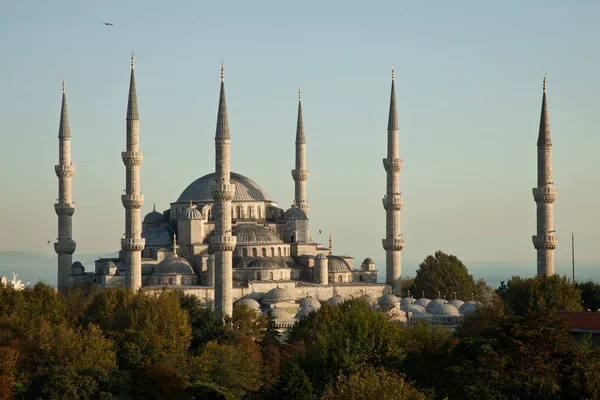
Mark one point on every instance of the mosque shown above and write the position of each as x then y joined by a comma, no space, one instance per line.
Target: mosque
223,238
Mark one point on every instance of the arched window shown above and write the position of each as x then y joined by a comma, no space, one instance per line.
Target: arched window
272,252
264,252
254,252
170,281
259,212
249,212
279,251
270,275
239,212
209,214
340,279
258,276
360,278
244,252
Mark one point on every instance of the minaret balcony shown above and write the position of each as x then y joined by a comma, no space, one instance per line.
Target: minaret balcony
64,170
393,203
223,192
393,244
545,194
134,201
133,244
132,158
548,242
392,165
300,174
223,243
64,209
64,247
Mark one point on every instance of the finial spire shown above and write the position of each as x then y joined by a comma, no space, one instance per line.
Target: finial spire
299,93
132,106
393,115
330,245
174,245
544,82
154,207
132,60
190,203
222,121
393,70
63,85
222,71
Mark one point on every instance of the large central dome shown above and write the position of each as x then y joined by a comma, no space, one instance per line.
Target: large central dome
245,189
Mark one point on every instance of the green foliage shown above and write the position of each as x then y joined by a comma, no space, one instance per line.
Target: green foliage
406,285
159,382
590,295
445,275
540,294
294,384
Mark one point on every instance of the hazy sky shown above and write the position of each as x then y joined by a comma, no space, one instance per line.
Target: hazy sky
469,86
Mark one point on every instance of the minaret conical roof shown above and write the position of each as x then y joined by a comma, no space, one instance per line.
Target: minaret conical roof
393,117
300,124
222,122
544,134
132,106
63,129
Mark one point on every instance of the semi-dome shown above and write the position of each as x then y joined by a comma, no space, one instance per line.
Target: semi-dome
431,305
469,307
159,236
337,264
192,213
154,217
423,302
250,303
245,189
250,235
335,300
388,300
415,309
407,300
309,301
264,263
294,213
446,310
456,303
277,294
174,266
304,311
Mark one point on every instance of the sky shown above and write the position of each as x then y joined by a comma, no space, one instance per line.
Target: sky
469,87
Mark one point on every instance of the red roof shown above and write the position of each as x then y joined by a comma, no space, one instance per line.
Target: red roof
582,321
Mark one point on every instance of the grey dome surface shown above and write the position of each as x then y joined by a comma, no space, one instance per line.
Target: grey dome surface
388,300
309,301
192,213
249,235
337,264
368,260
446,310
431,305
294,213
335,300
264,263
278,294
407,300
414,308
423,301
154,217
77,264
280,315
468,307
250,303
456,303
304,311
174,266
159,236
245,189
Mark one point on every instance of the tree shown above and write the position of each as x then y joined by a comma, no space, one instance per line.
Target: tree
294,384
540,294
8,371
159,382
590,295
445,275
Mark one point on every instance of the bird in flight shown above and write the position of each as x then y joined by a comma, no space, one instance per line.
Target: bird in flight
108,24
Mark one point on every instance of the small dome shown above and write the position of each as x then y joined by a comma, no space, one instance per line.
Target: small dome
446,310
264,263
277,294
250,303
192,213
337,264
430,306
294,213
309,301
423,301
304,311
388,300
368,260
174,266
456,303
280,315
248,235
407,300
469,307
154,217
335,300
320,256
77,264
415,309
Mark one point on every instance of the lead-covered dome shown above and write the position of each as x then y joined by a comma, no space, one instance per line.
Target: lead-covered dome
445,310
294,213
245,189
415,309
277,294
423,301
264,263
250,235
280,315
335,300
192,213
154,217
250,303
174,266
388,300
309,301
469,307
433,303
337,264
407,300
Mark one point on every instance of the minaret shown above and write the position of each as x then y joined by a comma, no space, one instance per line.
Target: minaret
132,200
65,208
392,202
544,195
300,174
223,243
